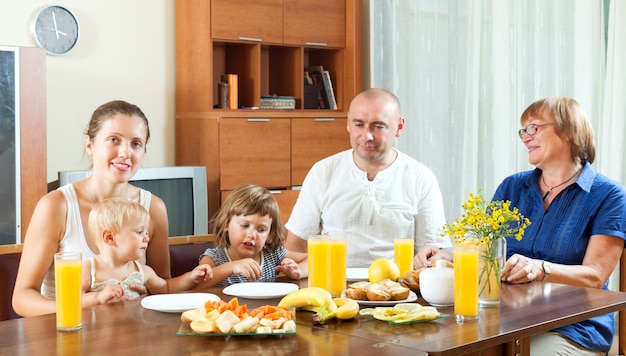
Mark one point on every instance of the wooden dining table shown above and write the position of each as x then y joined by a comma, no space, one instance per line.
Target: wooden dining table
130,329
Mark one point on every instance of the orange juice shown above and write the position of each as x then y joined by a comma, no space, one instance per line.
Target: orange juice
466,282
67,274
327,264
403,255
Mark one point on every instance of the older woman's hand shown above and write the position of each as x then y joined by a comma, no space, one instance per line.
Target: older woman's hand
521,269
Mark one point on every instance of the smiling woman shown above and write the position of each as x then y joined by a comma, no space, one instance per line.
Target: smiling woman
116,139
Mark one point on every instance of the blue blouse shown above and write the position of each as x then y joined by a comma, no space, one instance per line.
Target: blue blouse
594,205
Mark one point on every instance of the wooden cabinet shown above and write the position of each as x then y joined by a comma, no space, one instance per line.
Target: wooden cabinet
255,150
313,139
315,23
260,21
275,152
267,43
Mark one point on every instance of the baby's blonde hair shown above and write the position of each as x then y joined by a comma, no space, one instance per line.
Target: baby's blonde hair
110,214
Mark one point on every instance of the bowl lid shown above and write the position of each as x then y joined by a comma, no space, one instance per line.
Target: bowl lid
441,270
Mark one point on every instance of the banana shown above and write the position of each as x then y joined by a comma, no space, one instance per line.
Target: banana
346,309
310,297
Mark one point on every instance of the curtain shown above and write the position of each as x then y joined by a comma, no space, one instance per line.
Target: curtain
464,70
611,130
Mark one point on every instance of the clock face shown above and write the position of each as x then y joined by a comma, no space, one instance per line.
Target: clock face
55,29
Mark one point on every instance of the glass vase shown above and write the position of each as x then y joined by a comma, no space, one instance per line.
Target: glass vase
491,261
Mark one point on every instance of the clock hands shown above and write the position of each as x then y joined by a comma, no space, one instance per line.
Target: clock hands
56,29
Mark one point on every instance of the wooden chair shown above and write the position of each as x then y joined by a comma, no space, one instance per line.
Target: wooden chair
185,250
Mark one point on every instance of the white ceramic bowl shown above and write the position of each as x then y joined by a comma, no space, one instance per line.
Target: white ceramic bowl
437,285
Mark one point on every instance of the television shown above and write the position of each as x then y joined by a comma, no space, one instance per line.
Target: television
182,188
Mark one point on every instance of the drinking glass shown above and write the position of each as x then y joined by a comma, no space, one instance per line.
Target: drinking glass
327,262
466,282
403,255
67,275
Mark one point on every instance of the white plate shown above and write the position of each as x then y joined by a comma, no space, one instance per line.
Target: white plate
176,303
260,290
357,274
377,303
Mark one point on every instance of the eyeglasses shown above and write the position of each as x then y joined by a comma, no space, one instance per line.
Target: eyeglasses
530,130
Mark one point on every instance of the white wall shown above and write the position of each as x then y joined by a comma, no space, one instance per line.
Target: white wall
126,51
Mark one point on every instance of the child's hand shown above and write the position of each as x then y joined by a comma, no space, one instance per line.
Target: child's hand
202,273
247,267
112,293
139,288
290,268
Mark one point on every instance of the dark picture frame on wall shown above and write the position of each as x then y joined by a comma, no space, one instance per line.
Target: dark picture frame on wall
10,207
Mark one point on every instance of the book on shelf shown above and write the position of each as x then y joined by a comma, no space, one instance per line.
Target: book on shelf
330,92
323,87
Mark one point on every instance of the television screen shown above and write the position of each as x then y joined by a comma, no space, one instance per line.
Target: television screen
178,197
183,189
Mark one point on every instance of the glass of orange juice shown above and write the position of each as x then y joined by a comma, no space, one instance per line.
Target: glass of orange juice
403,254
465,282
327,262
67,275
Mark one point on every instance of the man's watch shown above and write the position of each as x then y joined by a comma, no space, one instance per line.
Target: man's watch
547,269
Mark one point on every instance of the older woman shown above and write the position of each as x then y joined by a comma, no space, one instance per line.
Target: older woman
578,218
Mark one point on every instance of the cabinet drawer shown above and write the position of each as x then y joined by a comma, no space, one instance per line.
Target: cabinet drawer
313,139
315,22
261,20
255,150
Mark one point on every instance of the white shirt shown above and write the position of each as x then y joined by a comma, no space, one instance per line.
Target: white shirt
402,201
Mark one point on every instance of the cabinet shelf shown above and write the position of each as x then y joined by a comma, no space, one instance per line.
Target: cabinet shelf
268,44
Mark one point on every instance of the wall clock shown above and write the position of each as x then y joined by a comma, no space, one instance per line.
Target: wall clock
55,29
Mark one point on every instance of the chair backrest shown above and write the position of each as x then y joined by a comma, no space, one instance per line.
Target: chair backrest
9,264
185,251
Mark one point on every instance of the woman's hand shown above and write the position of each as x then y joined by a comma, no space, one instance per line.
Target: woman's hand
521,269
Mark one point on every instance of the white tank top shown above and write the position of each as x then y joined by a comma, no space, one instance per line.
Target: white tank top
74,238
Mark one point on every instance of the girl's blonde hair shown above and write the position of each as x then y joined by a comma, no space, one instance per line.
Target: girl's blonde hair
245,200
110,214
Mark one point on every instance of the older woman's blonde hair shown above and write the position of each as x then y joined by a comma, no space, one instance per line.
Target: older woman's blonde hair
570,122
111,213
246,200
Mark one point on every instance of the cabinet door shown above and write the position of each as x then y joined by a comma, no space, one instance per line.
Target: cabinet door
315,22
255,150
261,20
313,139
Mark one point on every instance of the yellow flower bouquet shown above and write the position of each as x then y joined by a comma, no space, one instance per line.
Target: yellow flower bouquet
487,225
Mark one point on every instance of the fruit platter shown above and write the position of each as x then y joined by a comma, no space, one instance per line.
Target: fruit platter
220,318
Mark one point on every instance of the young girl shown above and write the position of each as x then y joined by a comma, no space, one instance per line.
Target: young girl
120,230
249,237
115,139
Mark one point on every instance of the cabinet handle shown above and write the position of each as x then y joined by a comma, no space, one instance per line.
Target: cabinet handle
324,119
320,44
253,39
258,119
275,192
